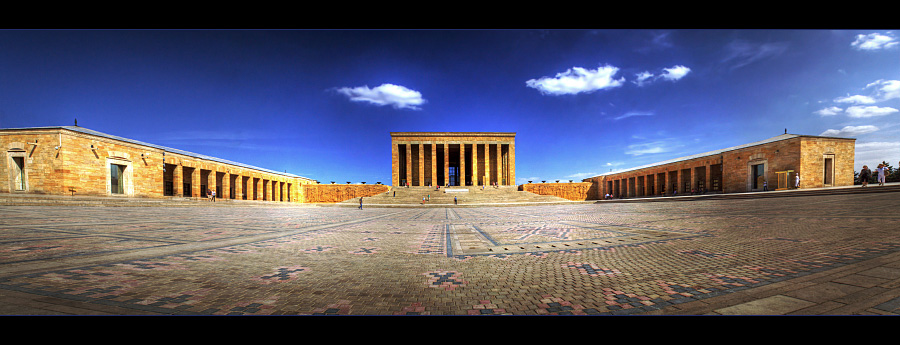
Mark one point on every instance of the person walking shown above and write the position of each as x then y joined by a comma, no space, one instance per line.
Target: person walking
455,202
360,203
214,195
797,181
208,195
864,175
880,170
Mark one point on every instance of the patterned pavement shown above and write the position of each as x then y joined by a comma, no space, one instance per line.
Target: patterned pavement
801,255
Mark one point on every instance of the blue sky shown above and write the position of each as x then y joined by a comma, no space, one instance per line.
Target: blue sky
321,103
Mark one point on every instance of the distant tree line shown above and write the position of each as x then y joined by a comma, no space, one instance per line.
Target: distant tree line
892,175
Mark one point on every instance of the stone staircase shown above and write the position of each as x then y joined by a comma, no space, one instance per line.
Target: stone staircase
466,196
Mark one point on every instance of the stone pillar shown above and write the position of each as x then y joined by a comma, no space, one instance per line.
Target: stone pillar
195,182
499,163
434,181
487,164
421,165
446,180
178,180
475,172
395,165
707,179
462,164
226,185
668,181
512,164
409,164
239,187
680,181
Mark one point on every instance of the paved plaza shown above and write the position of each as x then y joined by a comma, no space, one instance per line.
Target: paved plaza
806,255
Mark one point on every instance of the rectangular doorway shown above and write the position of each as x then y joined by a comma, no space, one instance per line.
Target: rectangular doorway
758,176
19,173
117,178
828,177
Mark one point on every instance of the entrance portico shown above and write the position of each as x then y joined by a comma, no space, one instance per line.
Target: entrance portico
453,158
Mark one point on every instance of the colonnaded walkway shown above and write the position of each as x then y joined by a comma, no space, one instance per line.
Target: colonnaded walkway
806,255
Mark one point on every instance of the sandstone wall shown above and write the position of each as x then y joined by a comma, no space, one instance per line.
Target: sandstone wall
576,191
328,193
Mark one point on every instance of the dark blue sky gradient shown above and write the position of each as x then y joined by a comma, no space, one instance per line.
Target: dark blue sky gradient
272,98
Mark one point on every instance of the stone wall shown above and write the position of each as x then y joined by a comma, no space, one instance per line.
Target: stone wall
330,193
62,161
575,191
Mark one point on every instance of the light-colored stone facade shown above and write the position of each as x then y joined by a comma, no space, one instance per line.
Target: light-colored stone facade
770,164
330,193
453,158
73,160
575,191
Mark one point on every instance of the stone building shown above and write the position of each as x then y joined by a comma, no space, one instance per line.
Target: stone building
453,158
74,160
768,164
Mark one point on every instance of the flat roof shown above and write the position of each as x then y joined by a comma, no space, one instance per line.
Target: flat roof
451,134
167,149
785,136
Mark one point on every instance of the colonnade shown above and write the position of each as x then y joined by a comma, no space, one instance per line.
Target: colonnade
193,179
444,160
664,180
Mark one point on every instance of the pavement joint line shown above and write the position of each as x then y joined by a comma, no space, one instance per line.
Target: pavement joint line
107,257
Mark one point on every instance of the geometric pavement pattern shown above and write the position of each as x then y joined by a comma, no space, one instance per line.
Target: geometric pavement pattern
580,259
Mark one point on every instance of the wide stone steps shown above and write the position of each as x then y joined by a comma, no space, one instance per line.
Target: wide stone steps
474,196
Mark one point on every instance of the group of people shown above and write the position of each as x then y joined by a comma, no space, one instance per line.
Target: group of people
211,195
865,174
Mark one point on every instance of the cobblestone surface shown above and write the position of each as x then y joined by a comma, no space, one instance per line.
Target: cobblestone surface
588,259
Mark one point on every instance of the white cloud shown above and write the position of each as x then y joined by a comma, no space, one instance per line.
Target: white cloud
648,148
675,73
849,131
870,111
875,41
855,99
741,53
829,111
885,89
873,153
582,175
577,80
633,113
386,94
640,78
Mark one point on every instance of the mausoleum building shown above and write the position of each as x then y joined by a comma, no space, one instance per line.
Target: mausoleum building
453,158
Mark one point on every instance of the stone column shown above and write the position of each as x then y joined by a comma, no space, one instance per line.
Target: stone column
226,185
475,172
239,187
195,182
446,165
707,179
395,165
499,163
680,181
421,165
259,189
434,181
409,164
512,164
178,180
487,164
462,164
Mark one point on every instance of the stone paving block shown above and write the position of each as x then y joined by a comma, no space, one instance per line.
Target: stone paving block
685,258
775,305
